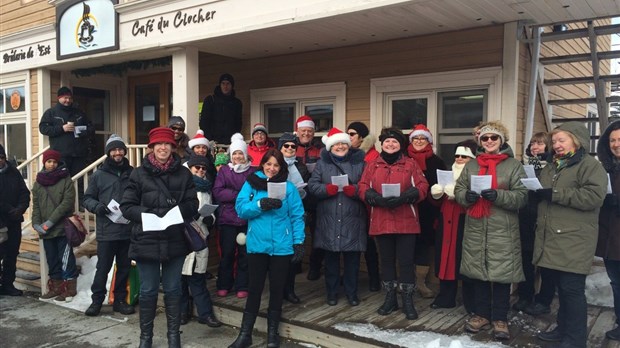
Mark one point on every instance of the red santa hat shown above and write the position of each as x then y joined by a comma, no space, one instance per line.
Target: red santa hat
421,129
199,139
334,137
304,121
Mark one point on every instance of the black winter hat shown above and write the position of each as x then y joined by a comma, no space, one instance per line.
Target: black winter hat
287,138
360,128
62,91
227,77
395,133
2,152
176,121
197,160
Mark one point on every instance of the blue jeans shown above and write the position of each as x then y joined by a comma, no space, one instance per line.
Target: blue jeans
613,271
170,276
197,285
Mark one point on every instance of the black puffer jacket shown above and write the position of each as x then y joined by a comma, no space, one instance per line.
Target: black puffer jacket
608,245
65,142
143,195
220,117
13,194
106,184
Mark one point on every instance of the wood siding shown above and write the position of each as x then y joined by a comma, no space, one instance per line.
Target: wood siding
18,16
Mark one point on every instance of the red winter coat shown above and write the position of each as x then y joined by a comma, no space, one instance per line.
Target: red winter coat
256,153
403,219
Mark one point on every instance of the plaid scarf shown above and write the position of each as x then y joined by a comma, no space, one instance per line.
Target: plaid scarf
561,161
161,166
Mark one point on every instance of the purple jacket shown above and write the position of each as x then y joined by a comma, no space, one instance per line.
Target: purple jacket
225,190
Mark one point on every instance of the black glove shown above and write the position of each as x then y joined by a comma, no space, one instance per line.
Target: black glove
611,201
393,202
102,210
543,194
471,196
374,198
270,203
298,253
489,194
209,221
410,195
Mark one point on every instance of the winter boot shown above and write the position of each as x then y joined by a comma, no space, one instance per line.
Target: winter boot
391,302
173,319
244,340
69,290
407,290
420,273
54,288
148,307
273,322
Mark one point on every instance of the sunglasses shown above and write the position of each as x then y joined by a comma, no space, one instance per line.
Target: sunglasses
461,156
178,129
200,167
352,134
487,137
292,146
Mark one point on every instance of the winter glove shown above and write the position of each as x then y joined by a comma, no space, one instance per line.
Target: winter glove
449,191
374,199
436,191
39,229
393,202
410,195
102,210
543,194
332,189
47,225
471,196
298,253
270,203
349,190
489,194
209,221
611,201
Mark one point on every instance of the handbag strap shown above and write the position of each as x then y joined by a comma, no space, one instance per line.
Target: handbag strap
160,182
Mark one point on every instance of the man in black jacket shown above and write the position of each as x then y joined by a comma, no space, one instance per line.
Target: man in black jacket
14,200
107,184
220,117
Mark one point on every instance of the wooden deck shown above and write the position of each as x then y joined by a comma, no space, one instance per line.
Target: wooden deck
313,320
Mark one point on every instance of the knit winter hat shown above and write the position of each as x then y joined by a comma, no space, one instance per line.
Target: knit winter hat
464,151
334,137
360,128
286,138
114,142
421,129
304,121
51,154
489,129
238,143
176,121
161,135
64,91
221,159
197,160
199,139
2,152
227,77
259,127
394,133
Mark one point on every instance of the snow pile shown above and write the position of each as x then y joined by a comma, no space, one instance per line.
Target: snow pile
598,288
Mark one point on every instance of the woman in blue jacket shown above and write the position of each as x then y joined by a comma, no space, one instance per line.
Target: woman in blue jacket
275,239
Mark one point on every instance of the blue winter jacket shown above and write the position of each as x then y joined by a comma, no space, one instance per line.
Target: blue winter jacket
275,231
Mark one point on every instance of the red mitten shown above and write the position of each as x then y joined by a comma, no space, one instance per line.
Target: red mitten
332,189
349,190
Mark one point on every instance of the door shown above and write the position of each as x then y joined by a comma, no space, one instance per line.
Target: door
150,105
95,103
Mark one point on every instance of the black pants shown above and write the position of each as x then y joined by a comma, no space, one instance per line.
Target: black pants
332,272
526,287
399,247
9,251
196,284
106,251
547,287
76,165
492,300
448,290
259,266
232,254
573,312
316,254
372,258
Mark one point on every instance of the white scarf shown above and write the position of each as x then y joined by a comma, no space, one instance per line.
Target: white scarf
241,167
457,169
293,173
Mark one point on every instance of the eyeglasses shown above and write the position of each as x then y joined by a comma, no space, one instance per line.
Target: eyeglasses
177,129
292,146
419,139
487,137
461,156
200,167
352,134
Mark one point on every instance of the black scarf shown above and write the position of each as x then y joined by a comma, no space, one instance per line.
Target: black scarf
202,185
390,158
260,184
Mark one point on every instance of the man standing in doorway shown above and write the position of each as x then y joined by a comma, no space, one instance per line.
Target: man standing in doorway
69,132
220,117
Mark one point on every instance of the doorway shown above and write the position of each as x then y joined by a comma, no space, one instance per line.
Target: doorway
95,103
150,104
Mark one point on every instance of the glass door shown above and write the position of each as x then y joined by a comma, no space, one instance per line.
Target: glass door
149,105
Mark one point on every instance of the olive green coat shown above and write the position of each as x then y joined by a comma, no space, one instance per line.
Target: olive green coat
44,209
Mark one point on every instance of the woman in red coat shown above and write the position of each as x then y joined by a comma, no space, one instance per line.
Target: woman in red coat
394,220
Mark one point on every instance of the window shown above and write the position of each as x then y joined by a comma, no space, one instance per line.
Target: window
406,110
278,108
13,134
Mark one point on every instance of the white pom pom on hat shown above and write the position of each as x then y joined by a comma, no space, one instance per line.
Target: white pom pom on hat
241,237
334,137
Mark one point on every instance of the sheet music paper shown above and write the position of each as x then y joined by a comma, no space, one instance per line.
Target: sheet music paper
152,222
390,190
480,182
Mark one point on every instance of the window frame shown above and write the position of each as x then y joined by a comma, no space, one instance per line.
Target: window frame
20,117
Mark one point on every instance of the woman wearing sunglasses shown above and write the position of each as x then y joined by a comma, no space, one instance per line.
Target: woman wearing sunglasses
298,174
491,244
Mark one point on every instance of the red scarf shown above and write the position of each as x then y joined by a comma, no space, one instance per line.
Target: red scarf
161,166
488,164
420,156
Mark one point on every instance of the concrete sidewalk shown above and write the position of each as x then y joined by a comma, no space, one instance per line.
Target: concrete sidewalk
28,322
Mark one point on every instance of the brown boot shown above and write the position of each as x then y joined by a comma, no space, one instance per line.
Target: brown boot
420,273
69,290
53,289
477,323
500,330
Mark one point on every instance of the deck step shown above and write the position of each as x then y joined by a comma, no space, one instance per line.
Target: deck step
29,262
28,280
29,244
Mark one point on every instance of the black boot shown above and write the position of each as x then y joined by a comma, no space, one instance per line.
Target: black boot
173,319
391,303
244,340
273,322
407,290
148,307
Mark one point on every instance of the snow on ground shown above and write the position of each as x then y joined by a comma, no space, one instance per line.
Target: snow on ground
598,289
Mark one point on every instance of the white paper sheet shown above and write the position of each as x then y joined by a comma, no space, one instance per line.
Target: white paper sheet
207,209
480,182
445,177
152,222
390,190
276,190
529,170
609,190
116,216
340,181
78,129
310,166
532,184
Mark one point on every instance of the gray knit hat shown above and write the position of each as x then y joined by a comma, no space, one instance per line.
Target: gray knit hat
115,141
176,121
286,138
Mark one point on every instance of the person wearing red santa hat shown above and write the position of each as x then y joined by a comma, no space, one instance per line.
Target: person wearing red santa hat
200,145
